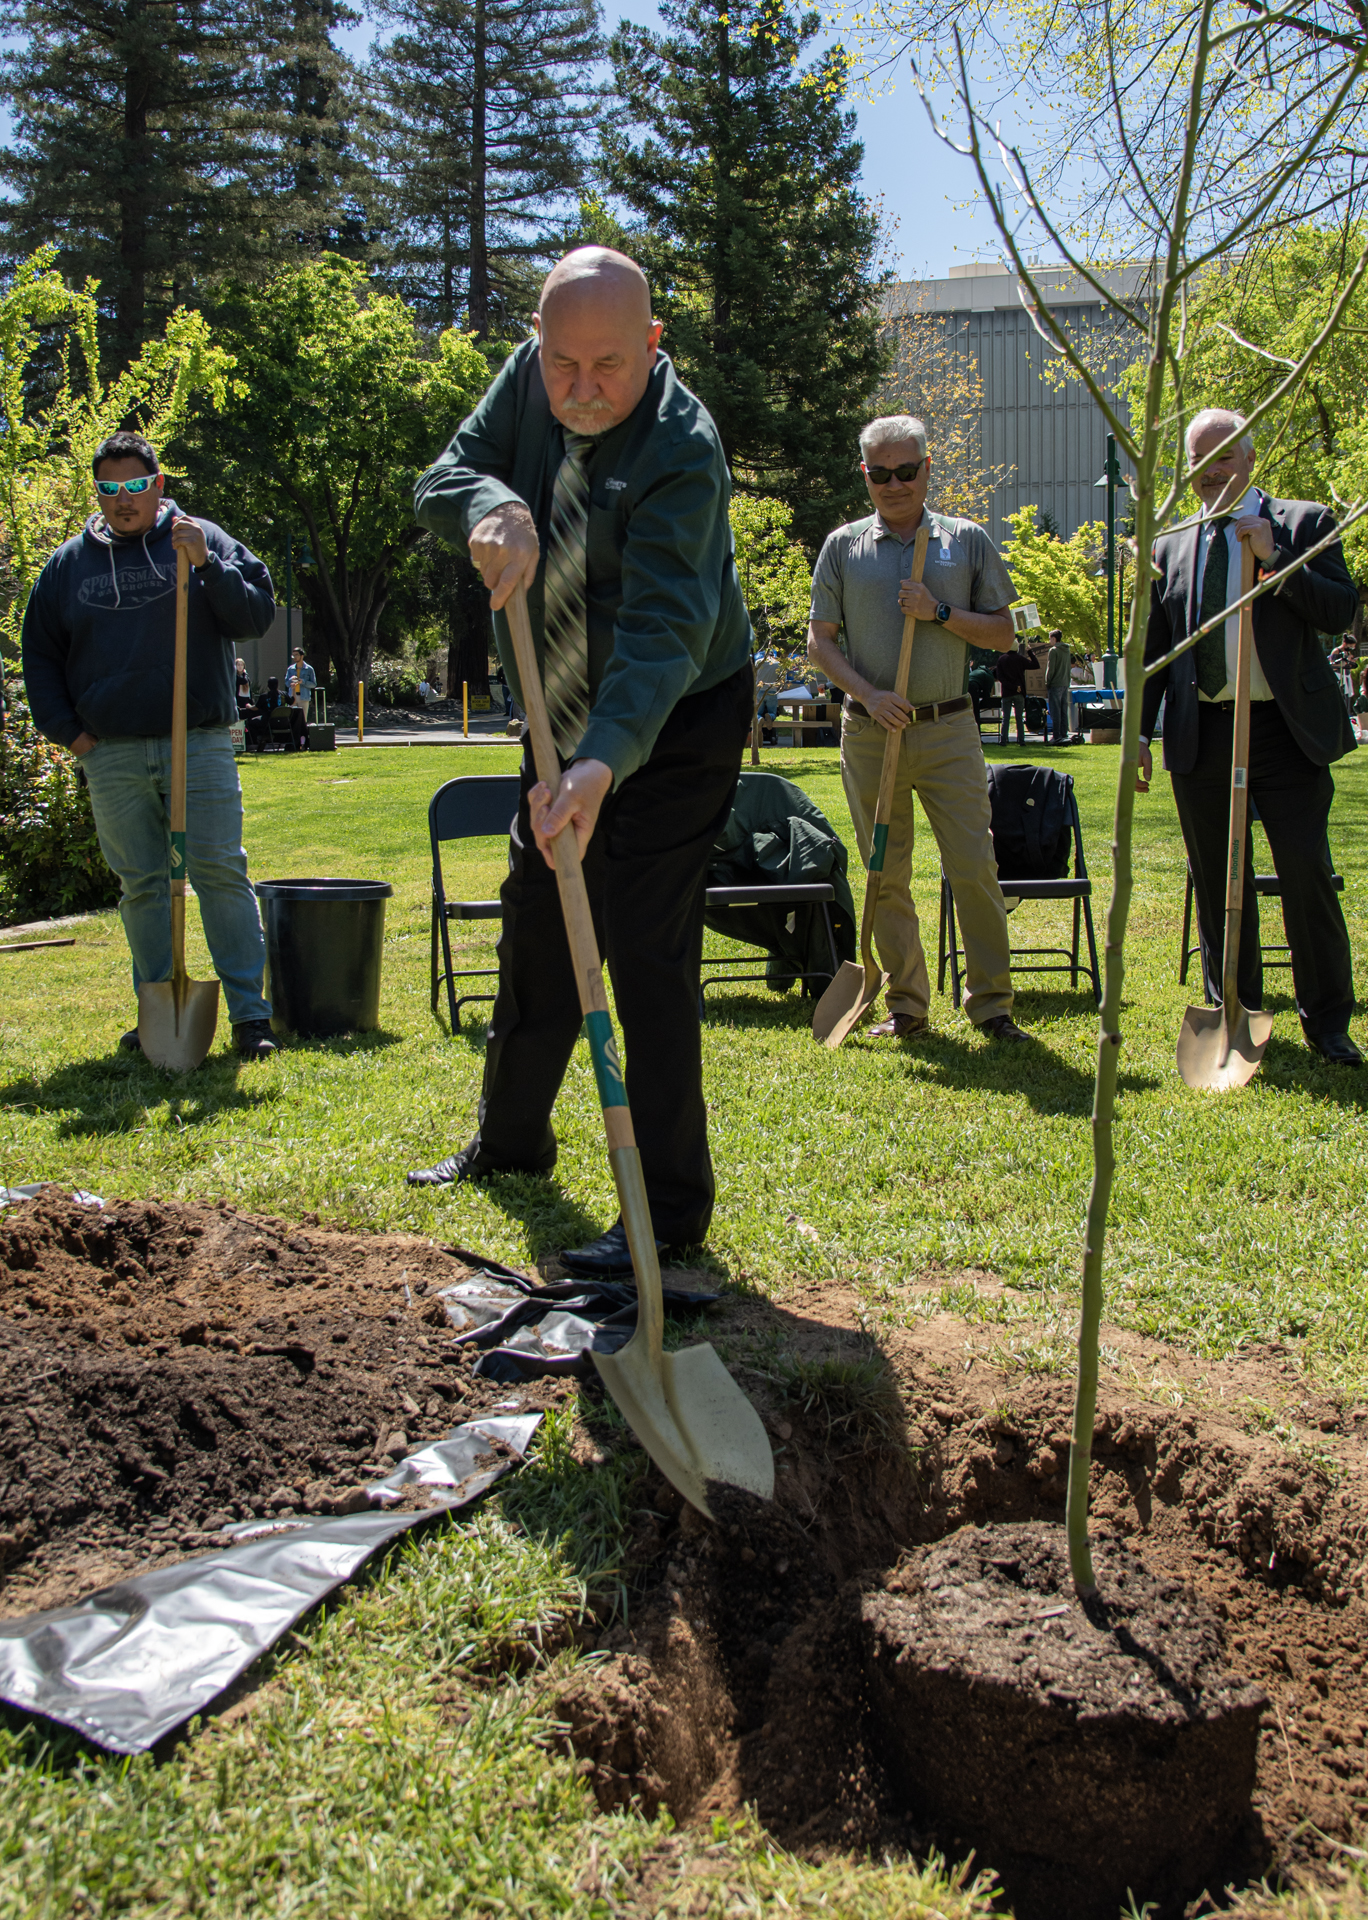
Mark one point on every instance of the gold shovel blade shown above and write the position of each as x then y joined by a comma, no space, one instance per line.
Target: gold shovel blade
846,1001
1207,1059
692,1419
177,1037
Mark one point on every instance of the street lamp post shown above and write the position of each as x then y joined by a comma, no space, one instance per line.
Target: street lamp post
1109,480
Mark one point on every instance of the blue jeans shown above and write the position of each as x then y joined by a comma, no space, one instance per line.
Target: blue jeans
130,781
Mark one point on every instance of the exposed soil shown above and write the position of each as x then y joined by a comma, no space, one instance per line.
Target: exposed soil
745,1672
167,1370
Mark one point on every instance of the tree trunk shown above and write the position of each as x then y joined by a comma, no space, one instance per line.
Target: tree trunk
470,631
131,297
478,305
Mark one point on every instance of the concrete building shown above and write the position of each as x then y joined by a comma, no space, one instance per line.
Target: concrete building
1050,437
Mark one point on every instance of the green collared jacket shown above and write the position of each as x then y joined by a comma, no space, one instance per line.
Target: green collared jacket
665,613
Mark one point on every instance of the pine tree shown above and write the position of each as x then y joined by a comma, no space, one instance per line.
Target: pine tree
483,108
163,143
743,171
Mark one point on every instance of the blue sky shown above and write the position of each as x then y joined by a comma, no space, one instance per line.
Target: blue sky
923,185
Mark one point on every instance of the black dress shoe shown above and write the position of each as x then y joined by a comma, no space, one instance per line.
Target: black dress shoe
450,1172
606,1258
130,1042
1337,1048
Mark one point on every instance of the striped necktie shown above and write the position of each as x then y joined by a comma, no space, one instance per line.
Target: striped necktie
566,670
1212,672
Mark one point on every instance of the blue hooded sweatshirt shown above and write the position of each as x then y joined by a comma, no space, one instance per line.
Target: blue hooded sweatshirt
100,631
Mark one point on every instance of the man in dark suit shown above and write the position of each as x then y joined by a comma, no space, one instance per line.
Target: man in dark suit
1298,722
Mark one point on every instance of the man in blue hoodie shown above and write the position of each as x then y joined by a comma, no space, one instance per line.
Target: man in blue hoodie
99,654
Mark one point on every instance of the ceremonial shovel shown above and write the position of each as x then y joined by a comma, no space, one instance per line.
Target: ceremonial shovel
684,1408
859,983
1221,1047
177,1017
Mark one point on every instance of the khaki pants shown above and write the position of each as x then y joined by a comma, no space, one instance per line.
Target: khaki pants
942,762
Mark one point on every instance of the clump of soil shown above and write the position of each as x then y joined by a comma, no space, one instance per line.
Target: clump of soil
167,1371
1086,1750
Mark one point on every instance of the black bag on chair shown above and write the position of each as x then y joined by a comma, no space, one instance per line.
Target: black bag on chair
1032,830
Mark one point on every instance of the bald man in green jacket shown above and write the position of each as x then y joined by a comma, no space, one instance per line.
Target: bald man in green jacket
590,474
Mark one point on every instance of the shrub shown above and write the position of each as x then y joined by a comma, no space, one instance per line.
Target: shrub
50,859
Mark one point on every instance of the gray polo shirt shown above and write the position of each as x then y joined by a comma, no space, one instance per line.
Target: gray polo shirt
859,571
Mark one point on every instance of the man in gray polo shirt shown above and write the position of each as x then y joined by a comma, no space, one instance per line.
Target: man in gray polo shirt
862,587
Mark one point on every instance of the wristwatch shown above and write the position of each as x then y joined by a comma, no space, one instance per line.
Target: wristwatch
943,613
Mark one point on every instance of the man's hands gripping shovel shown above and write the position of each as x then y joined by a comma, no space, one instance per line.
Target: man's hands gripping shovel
684,1408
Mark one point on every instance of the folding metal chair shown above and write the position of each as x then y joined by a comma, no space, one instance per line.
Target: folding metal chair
469,809
801,893
1076,887
1269,887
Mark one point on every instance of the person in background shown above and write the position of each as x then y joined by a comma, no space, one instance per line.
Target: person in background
1058,665
99,652
300,681
1298,726
862,592
269,703
242,684
1011,677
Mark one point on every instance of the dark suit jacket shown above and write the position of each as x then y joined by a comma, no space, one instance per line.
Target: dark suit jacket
1318,598
1011,670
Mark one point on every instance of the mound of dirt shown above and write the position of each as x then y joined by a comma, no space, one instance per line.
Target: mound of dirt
168,1370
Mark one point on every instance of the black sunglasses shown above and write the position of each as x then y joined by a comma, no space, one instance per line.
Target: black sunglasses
907,473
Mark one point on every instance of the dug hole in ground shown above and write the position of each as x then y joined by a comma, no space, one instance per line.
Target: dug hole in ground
888,1657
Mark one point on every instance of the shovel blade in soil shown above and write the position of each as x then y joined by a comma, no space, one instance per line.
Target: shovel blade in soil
846,1001
176,1031
692,1418
1206,1059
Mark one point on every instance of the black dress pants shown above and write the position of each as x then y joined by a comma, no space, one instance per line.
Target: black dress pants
645,870
1293,797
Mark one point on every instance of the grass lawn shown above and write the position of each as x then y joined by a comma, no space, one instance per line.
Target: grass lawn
368,1779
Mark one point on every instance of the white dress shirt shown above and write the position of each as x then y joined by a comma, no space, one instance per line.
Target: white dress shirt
1246,509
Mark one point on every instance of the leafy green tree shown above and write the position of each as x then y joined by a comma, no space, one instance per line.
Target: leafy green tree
1251,318
483,109
344,401
49,342
1065,578
159,143
776,577
742,170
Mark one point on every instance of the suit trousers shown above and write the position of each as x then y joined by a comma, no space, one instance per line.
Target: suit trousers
1293,797
942,762
1013,703
645,870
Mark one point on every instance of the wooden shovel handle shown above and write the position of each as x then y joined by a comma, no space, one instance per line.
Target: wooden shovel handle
883,811
178,729
1239,790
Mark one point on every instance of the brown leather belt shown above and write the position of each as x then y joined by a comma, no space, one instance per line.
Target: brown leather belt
937,709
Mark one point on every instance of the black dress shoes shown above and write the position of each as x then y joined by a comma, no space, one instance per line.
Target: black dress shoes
607,1258
1337,1048
450,1172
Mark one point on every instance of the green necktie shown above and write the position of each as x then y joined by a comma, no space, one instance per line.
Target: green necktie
566,671
1211,648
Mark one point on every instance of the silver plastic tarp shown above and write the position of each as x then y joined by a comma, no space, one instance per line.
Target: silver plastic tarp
130,1663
